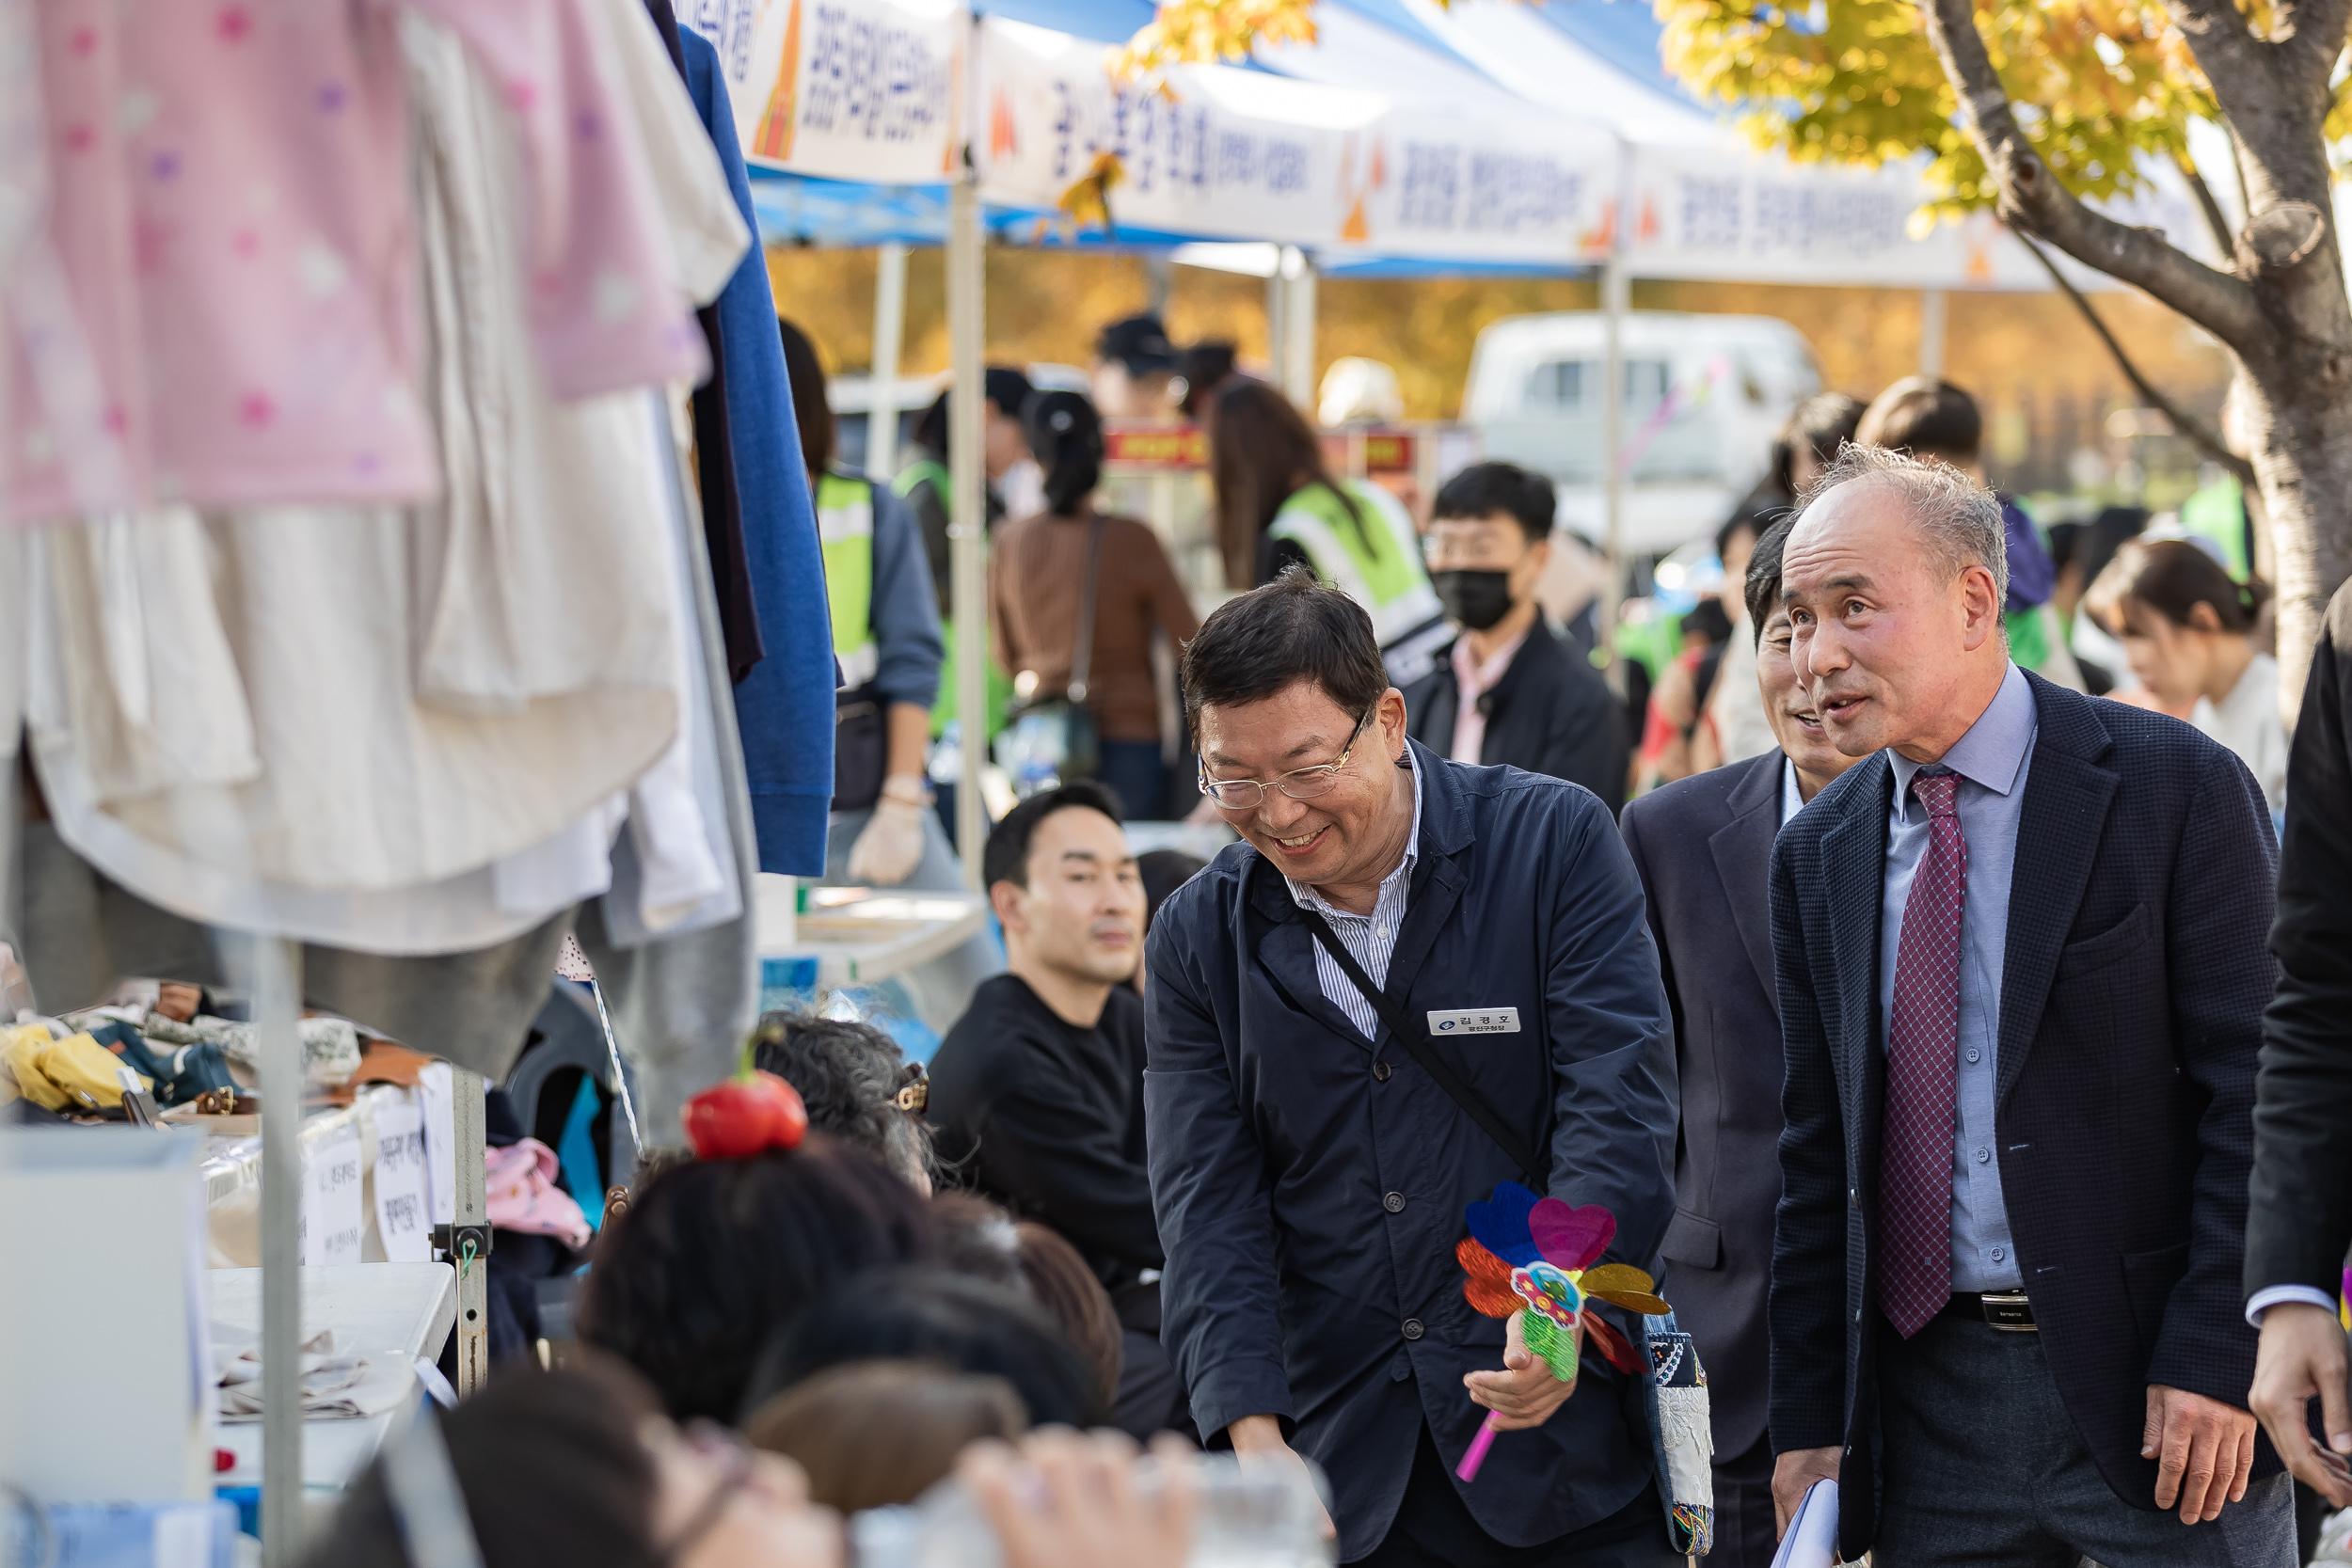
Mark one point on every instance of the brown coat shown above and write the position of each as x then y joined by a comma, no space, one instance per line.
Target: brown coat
1036,570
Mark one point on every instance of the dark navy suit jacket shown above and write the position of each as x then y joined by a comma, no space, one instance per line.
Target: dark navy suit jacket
1704,848
1309,1205
2132,997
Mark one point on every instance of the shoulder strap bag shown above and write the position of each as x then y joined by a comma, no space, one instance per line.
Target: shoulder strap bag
1056,735
1415,1044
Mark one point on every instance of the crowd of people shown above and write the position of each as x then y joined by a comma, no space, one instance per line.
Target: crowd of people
1900,999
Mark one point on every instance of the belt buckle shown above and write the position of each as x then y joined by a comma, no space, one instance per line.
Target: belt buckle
2010,1312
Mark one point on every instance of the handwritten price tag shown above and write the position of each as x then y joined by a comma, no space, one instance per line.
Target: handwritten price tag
400,1194
332,1220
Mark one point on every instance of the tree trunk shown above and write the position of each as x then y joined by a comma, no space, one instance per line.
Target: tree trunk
2280,308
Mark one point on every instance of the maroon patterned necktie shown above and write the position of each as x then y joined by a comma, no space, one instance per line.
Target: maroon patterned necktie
1914,1249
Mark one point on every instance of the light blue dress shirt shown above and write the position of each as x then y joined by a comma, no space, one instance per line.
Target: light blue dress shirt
1370,938
1991,760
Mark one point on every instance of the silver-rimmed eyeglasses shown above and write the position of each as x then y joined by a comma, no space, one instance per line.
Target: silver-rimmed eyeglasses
1300,783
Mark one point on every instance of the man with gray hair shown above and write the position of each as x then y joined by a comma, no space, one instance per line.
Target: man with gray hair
2019,952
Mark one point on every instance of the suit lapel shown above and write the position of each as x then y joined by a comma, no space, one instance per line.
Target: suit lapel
1440,877
1287,950
2059,826
1742,848
1853,870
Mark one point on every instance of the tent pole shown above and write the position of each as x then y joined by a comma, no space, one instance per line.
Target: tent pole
276,978
1298,321
1276,317
967,534
1613,292
1932,325
890,314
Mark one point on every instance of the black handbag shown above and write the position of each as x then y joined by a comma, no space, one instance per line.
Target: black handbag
1058,733
861,747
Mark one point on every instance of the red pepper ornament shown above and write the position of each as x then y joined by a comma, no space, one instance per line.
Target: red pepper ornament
749,1111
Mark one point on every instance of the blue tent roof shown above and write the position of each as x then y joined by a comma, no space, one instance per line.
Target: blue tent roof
1624,34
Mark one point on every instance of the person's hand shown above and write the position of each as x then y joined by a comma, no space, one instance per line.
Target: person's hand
2302,1354
2205,1451
1068,1500
1525,1393
891,845
1793,1475
1258,1440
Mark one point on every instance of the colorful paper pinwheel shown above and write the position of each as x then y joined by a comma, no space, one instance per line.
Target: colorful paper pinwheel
1532,1258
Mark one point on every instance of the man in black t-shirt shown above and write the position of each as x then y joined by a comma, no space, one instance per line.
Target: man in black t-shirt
1036,1093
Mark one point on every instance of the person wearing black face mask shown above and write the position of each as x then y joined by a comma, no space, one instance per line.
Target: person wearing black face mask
1509,691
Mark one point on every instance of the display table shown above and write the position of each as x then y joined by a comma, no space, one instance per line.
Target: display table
850,936
391,1309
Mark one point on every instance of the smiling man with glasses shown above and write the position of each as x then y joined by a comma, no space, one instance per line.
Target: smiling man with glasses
1414,980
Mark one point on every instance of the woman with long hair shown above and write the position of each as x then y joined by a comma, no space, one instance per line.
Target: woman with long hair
1037,587
2187,630
1277,504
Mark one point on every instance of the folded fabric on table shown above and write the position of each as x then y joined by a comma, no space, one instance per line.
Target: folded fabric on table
336,1385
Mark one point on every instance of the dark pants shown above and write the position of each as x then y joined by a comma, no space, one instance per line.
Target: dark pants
1434,1528
1982,1464
1133,768
1746,1535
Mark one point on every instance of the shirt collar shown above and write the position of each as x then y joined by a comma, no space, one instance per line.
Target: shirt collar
1477,676
1994,750
1307,898
1792,798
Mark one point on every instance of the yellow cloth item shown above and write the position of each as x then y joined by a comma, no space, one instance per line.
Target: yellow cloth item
73,1073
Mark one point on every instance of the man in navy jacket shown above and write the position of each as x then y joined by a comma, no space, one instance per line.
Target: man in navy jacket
1311,1179
2019,949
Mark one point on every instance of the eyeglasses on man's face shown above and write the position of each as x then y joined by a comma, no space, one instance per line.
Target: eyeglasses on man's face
1301,783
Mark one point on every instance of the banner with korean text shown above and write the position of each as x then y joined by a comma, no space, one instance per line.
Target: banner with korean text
865,90
1224,152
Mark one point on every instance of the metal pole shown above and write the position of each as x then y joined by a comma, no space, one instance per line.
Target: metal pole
890,315
1614,290
1277,316
1931,326
967,531
276,985
469,1231
1299,321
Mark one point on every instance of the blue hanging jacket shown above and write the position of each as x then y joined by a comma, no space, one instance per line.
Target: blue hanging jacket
784,706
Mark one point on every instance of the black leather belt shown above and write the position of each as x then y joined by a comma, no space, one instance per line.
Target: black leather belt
2007,1310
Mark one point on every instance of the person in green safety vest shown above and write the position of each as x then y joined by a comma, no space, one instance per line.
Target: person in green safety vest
886,637
927,485
1278,505
2217,512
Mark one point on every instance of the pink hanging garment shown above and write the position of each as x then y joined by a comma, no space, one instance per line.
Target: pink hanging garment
518,1182
235,320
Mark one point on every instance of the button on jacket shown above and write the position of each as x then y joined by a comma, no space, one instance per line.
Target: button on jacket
1310,1182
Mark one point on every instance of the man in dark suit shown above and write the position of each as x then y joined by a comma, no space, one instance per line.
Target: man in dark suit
1704,848
2021,975
1506,692
2301,1219
1311,1176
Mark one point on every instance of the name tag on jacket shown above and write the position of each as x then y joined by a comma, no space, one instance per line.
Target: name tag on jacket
1475,1020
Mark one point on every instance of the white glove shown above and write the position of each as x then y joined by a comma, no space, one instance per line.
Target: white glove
887,852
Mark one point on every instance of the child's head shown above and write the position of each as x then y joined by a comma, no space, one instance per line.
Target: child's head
2169,603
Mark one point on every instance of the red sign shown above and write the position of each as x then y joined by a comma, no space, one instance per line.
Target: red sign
1175,448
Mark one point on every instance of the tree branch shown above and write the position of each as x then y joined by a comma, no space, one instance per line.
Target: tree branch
2033,200
2216,221
2185,423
